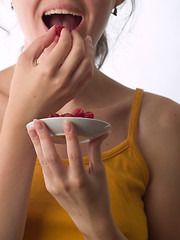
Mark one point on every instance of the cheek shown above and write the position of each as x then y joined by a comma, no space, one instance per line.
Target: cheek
99,18
27,19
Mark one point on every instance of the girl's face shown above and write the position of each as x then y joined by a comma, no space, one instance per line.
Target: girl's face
89,17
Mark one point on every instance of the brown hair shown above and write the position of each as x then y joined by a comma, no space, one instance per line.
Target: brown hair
102,45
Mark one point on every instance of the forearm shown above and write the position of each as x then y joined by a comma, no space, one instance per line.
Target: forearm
107,231
16,171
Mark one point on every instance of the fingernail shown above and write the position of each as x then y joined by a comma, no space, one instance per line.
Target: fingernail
38,125
50,29
32,133
67,126
89,39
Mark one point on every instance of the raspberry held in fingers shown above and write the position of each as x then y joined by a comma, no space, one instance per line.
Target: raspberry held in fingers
58,30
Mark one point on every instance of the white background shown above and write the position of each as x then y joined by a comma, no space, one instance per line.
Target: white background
146,55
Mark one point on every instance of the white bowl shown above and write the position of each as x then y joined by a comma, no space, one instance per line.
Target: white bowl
86,128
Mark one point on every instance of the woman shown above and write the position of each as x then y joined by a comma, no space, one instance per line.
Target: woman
138,195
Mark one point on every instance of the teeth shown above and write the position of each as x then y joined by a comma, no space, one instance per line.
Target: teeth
60,11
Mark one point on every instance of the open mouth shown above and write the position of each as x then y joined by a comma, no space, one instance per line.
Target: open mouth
62,18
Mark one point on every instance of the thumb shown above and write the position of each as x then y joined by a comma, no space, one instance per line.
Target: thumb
94,150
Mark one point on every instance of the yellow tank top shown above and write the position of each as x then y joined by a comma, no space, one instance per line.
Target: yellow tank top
128,177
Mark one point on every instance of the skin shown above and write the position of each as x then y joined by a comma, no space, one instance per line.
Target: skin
65,71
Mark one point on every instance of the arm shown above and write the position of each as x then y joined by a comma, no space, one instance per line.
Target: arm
82,192
36,91
160,144
3,105
17,155
16,171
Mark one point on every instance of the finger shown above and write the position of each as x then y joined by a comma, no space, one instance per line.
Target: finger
37,146
75,56
85,68
73,149
51,158
38,46
61,50
94,151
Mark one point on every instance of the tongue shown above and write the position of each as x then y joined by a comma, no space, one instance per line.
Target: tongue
68,21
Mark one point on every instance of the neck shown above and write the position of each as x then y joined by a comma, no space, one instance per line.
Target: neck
89,96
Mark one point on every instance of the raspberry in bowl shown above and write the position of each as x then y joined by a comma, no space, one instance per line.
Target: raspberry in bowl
86,126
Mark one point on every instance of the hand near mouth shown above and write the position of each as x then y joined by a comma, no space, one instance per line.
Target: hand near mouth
55,80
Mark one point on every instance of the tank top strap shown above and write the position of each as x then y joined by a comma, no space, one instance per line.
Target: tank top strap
134,119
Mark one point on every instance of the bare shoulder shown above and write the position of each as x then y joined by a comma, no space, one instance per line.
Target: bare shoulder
159,124
159,141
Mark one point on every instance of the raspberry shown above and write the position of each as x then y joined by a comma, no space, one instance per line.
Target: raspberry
78,112
88,115
67,115
58,30
53,115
